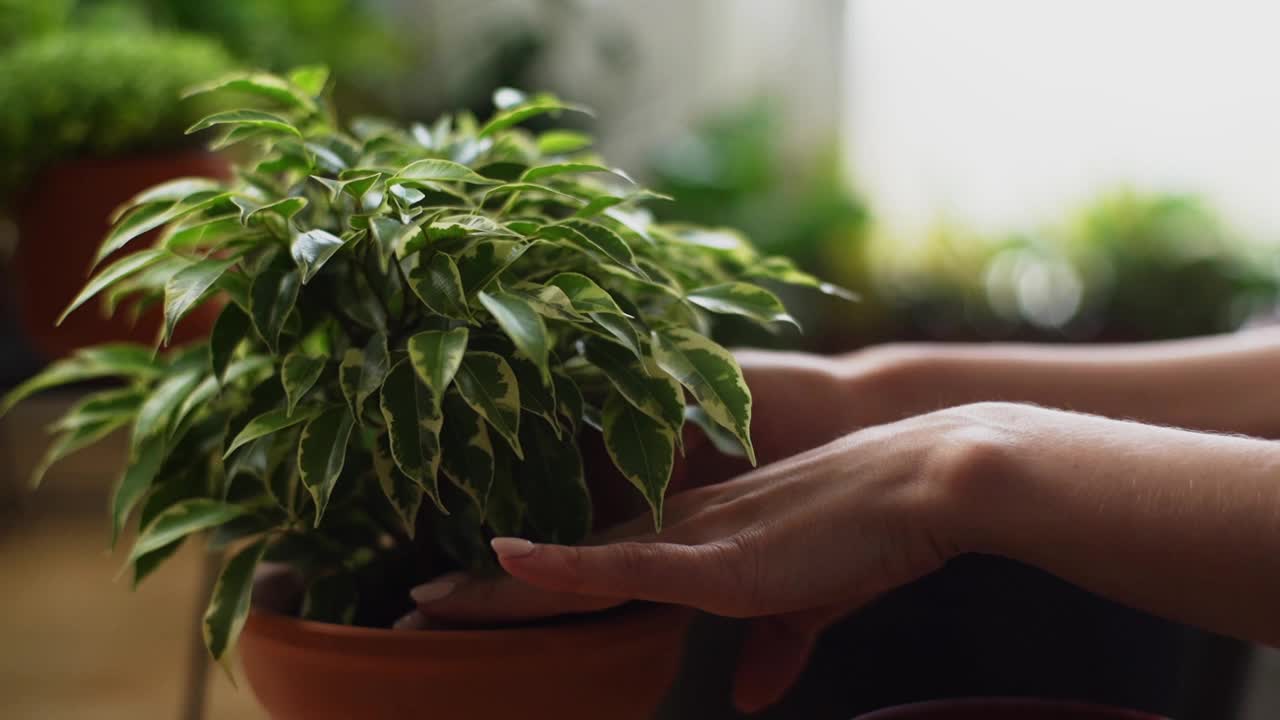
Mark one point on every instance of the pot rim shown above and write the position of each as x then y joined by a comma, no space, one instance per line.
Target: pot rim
637,623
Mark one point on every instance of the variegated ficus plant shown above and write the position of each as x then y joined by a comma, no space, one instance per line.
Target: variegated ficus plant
418,327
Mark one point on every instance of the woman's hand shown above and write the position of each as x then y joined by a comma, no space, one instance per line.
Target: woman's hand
795,544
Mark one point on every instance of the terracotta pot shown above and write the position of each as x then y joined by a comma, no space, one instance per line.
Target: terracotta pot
1005,709
615,665
62,219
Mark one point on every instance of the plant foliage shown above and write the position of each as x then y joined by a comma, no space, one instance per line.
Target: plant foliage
418,323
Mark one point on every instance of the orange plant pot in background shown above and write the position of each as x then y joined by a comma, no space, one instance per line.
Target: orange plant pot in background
617,665
62,219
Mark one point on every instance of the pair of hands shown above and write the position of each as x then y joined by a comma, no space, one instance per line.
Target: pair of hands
836,517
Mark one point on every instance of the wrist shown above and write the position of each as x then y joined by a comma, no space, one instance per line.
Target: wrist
971,475
887,383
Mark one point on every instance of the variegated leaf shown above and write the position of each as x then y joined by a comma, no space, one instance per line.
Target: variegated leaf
322,453
298,373
404,494
439,286
712,375
229,605
642,448
658,396
468,460
412,414
436,356
523,325
489,386
745,299
362,372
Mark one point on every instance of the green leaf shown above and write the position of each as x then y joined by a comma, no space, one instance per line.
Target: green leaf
404,494
569,402
467,459
247,119
271,300
523,325
263,85
623,331
783,270
113,273
355,186
83,429
439,286
661,398
593,239
557,142
167,192
520,113
144,462
537,394
311,79
642,449
585,295
156,414
489,386
550,302
298,373
269,422
229,605
322,451
312,249
712,375
362,373
137,222
535,174
412,413
436,356
103,405
206,232
436,170
229,330
186,289
127,361
486,260
182,519
552,485
721,439
284,209
740,298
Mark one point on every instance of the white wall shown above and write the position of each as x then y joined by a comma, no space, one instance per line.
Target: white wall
1003,113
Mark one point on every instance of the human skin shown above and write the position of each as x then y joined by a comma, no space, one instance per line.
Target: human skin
1180,523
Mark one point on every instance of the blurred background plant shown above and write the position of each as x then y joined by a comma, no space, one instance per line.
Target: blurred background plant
96,93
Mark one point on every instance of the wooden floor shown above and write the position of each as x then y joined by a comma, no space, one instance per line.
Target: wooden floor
75,642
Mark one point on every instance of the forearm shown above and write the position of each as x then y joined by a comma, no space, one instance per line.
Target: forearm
1222,383
1182,524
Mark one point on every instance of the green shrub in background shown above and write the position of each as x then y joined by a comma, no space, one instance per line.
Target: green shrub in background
24,20
97,93
733,171
1128,266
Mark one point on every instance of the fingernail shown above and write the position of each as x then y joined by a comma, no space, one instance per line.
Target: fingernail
432,591
507,547
413,620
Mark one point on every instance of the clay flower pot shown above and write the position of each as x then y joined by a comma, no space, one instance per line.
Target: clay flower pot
1005,709
615,665
62,219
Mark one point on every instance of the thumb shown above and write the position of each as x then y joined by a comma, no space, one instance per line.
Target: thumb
695,575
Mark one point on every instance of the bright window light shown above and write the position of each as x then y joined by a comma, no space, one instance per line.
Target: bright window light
1004,114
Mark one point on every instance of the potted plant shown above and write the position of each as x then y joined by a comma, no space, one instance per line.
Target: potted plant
423,328
94,116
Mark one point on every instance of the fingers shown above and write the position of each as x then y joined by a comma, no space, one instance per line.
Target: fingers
702,576
457,598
